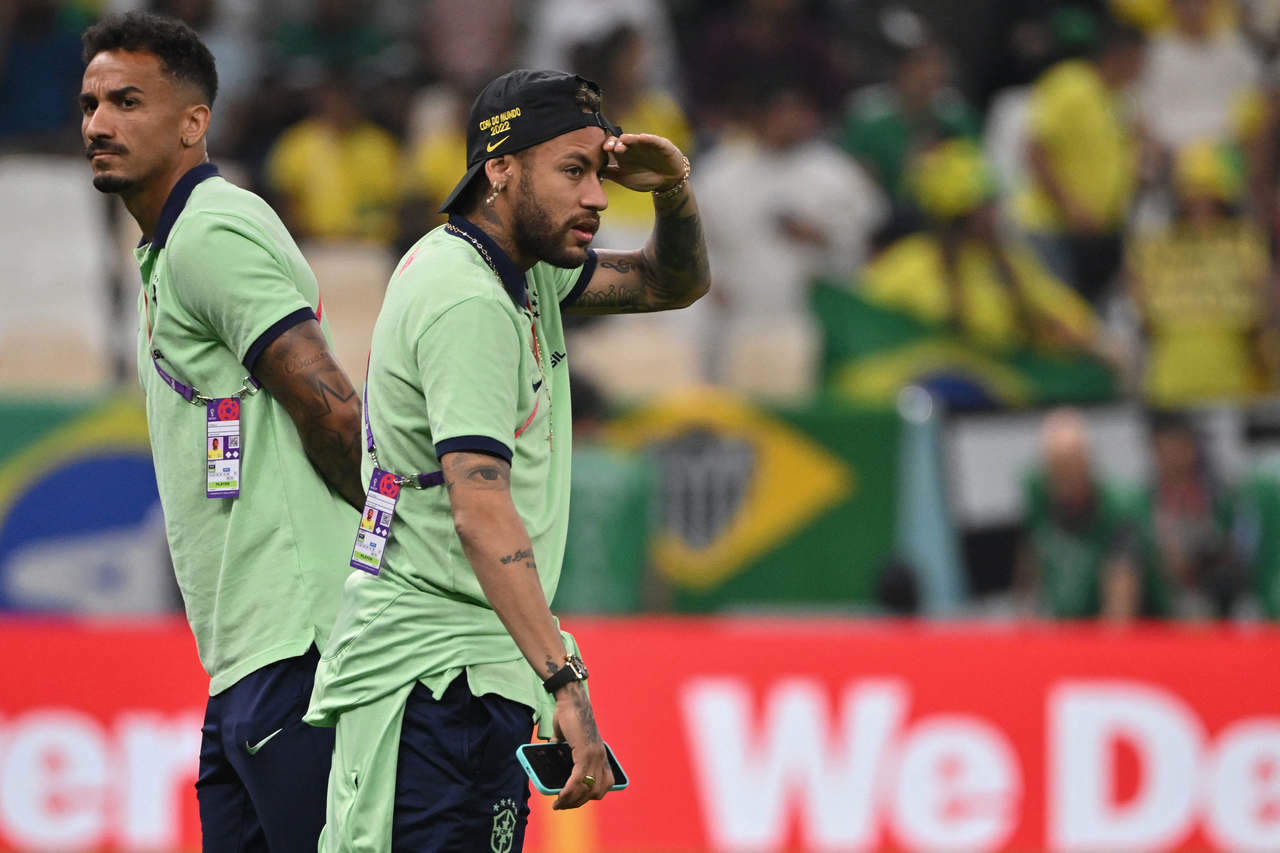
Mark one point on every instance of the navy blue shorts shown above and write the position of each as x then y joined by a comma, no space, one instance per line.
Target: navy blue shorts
263,772
458,784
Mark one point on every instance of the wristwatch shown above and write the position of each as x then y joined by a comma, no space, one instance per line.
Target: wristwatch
573,670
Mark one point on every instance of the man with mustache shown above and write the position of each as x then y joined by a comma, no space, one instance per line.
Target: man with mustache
446,653
230,320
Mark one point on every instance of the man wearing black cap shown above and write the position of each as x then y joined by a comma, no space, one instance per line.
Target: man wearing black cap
446,654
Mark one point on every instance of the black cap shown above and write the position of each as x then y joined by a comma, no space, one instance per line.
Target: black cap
519,110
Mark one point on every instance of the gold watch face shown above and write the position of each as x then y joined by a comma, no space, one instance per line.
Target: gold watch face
579,668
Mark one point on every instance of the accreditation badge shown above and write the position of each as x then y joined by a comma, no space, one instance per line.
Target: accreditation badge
375,521
223,448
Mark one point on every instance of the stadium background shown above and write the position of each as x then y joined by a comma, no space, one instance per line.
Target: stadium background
825,504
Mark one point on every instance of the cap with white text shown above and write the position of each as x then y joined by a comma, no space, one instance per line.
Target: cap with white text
519,110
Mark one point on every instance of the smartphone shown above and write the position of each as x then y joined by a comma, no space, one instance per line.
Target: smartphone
549,765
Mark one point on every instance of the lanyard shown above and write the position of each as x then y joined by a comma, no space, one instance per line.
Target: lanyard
418,481
185,391
533,327
191,395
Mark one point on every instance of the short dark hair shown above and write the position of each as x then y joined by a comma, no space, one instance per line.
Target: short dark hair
179,49
588,97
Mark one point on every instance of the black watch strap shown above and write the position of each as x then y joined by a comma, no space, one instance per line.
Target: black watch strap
573,670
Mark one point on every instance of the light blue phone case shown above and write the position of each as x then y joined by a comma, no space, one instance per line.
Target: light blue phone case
537,783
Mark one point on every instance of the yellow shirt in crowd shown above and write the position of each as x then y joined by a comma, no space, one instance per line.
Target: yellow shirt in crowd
1201,295
438,163
1089,145
338,184
911,276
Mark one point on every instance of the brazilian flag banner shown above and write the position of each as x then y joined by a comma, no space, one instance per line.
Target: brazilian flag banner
767,506
871,352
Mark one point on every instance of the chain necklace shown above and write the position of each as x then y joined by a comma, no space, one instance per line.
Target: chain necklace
537,349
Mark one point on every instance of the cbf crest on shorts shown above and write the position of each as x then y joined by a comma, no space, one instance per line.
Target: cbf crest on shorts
504,826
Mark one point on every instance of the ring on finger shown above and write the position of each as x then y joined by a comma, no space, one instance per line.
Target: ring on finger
590,780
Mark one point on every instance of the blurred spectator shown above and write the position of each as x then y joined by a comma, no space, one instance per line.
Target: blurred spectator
336,174
1082,555
888,124
1191,515
1200,81
1012,42
781,206
616,62
339,33
436,162
557,26
469,43
962,274
1201,287
236,50
744,52
40,71
1082,154
1256,532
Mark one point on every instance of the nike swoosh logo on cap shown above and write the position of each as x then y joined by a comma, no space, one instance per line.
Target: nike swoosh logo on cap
253,750
494,145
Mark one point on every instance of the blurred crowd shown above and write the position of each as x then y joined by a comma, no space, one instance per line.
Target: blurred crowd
1071,180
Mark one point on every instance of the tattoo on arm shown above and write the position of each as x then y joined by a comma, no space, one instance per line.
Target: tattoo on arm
301,373
476,471
669,272
680,251
622,295
525,554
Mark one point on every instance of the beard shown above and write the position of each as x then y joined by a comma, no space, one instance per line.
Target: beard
536,236
113,183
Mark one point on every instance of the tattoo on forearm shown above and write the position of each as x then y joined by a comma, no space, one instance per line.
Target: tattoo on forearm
525,554
628,295
680,245
582,705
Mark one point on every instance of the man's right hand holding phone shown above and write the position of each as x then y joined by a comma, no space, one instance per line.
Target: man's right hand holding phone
575,723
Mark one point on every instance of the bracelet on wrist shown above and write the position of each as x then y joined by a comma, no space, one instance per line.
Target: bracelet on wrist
678,185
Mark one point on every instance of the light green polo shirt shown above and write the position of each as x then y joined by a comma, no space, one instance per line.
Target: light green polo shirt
464,357
458,362
260,574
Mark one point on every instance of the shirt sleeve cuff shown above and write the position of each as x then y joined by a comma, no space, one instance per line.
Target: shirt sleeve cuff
584,278
278,328
474,444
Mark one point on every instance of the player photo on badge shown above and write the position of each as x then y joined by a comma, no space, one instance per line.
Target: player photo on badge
215,450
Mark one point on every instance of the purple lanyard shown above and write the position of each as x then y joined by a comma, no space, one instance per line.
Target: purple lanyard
418,481
190,394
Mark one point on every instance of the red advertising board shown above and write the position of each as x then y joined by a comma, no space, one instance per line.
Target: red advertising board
746,735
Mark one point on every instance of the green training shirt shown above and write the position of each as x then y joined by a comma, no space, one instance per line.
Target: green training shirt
261,574
463,358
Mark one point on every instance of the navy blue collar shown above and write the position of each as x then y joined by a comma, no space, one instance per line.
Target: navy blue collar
176,201
512,277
